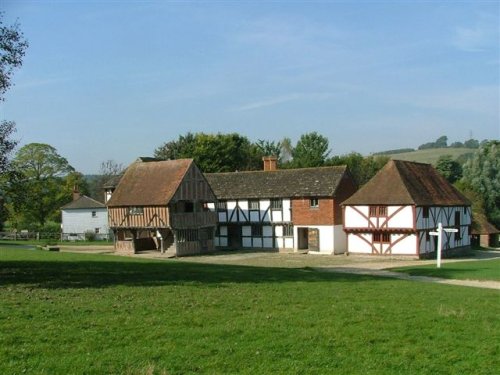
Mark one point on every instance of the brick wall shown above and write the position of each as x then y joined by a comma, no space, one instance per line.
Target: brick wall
304,214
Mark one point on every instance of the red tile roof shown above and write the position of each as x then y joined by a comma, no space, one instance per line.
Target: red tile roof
149,183
405,183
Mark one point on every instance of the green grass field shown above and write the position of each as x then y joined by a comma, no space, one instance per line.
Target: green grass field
63,313
431,156
474,270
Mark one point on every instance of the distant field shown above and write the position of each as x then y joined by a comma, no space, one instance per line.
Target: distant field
431,156
63,313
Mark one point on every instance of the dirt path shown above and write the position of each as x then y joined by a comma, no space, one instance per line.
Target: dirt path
403,276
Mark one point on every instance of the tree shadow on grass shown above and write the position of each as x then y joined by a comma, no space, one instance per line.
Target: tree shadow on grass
54,271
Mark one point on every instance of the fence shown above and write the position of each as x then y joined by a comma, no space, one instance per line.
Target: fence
27,235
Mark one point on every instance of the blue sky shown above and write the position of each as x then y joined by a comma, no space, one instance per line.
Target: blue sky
114,80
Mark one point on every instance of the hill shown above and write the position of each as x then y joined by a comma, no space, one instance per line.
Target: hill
432,155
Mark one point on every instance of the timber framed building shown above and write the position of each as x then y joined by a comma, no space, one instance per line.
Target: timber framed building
295,209
162,205
394,213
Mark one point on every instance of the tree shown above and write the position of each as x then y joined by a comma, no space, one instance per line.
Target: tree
311,150
267,148
12,49
107,171
482,174
179,149
7,144
471,143
361,168
441,142
38,191
449,168
457,145
214,152
40,161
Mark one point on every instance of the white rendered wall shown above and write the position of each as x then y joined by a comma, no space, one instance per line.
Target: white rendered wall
356,245
81,220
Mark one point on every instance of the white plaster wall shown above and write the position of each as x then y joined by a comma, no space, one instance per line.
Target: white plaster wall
287,213
81,220
407,246
403,219
257,242
276,216
267,231
353,219
278,230
246,231
247,242
340,239
268,243
288,243
357,245
223,230
222,217
231,207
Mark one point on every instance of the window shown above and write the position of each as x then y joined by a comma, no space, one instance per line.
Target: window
253,205
256,230
378,211
276,204
425,212
136,211
288,230
188,206
96,230
221,206
314,202
380,237
94,213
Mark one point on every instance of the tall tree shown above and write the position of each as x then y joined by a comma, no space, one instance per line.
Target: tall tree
482,174
311,150
361,168
269,148
449,168
214,152
108,170
7,144
37,193
12,50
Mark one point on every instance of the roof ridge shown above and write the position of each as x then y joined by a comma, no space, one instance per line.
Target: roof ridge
343,166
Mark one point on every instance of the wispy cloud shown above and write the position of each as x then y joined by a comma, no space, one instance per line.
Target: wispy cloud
479,99
485,34
276,100
41,82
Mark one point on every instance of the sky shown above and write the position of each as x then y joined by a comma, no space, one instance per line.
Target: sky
114,80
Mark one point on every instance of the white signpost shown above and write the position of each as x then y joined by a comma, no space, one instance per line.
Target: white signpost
439,234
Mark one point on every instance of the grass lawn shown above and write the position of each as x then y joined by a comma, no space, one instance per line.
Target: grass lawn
63,313
474,270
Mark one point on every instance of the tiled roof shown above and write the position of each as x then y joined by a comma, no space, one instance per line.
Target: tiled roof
112,182
149,183
404,182
481,225
83,202
284,183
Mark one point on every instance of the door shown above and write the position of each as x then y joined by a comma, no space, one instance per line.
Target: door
234,236
313,239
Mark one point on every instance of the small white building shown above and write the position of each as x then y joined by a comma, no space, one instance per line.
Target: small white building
84,215
394,213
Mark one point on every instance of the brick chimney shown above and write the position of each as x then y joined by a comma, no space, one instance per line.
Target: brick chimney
270,163
76,193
